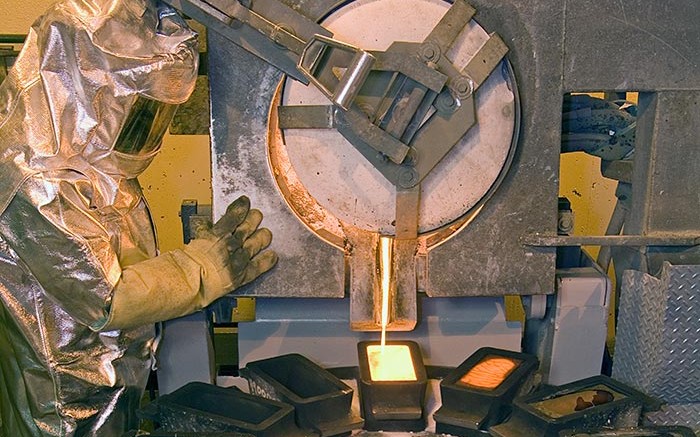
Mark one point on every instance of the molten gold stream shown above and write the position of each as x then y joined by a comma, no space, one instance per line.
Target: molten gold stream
388,362
386,255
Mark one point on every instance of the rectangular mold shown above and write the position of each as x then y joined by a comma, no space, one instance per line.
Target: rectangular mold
392,405
581,405
479,392
198,407
321,401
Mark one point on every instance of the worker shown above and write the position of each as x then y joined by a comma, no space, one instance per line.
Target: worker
82,114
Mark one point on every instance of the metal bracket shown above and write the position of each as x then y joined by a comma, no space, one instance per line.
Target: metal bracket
364,283
192,214
340,83
410,97
540,240
404,109
268,29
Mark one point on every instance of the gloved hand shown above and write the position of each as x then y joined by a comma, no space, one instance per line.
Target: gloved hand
220,259
230,250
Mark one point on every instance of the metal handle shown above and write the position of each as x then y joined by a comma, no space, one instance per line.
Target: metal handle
317,64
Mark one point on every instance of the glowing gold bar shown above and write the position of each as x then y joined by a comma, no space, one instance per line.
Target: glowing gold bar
390,363
490,372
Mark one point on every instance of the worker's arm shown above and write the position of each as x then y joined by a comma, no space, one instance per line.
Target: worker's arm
71,253
219,260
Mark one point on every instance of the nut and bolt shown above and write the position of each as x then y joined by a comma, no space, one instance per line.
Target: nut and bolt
408,177
463,87
430,51
446,103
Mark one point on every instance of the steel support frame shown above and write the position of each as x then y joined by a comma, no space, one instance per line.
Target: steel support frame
555,47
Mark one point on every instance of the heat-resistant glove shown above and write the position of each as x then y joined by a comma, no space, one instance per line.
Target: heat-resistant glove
220,259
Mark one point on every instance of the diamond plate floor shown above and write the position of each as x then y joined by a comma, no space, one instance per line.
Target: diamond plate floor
657,346
682,414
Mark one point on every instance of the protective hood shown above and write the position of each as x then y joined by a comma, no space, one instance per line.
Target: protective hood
93,91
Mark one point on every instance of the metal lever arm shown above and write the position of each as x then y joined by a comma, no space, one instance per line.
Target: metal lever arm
403,109
423,78
276,32
268,29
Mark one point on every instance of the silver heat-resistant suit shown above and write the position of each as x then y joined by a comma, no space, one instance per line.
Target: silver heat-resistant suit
82,113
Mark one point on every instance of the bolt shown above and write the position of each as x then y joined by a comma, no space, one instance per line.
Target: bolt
566,223
463,87
449,101
430,51
446,103
408,177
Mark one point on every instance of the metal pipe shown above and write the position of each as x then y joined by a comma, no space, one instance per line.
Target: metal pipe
617,220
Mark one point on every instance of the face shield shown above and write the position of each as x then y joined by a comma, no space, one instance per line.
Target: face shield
93,91
144,127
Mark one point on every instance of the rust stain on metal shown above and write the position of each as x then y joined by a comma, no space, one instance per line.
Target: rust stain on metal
309,211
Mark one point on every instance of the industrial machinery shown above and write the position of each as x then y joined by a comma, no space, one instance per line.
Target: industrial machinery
412,147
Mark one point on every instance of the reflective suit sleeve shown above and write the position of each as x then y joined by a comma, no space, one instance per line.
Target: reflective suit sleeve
68,251
71,255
